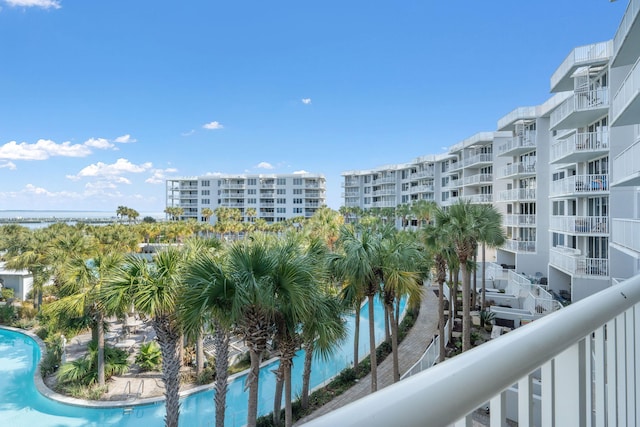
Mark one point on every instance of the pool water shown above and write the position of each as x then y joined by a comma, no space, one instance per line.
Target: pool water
22,405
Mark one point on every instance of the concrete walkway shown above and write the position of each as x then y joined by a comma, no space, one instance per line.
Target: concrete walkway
410,350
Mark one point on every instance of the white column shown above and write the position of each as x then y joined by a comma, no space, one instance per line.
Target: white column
525,403
600,385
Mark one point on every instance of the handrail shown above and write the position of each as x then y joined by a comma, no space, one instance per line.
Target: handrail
485,371
140,389
127,387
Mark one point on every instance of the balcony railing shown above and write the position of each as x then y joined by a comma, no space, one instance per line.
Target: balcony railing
584,359
517,169
389,192
384,180
517,194
519,245
581,56
430,173
518,143
630,16
572,262
626,233
453,183
579,144
385,204
625,106
421,188
580,224
519,220
478,198
520,113
351,183
478,158
587,100
580,185
626,168
479,178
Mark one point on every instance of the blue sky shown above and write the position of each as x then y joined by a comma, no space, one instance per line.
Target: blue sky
102,100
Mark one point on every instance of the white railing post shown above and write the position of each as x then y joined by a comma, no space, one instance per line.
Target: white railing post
525,402
547,394
570,387
498,408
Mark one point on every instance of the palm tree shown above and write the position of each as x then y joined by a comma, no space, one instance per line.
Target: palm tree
153,290
462,222
491,234
423,211
403,211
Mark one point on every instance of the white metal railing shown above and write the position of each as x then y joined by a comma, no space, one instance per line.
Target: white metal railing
630,15
419,188
628,91
478,198
424,174
626,164
519,113
582,55
579,142
384,180
452,183
430,356
518,168
386,192
585,353
385,204
580,224
580,101
580,184
495,271
478,178
527,140
573,262
517,194
519,245
519,220
626,233
478,158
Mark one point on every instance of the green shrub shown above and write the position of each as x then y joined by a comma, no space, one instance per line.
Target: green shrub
7,314
84,371
149,357
7,293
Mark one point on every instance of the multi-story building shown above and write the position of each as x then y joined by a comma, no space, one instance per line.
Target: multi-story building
570,214
273,198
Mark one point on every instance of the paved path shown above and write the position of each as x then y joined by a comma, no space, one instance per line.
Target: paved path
410,350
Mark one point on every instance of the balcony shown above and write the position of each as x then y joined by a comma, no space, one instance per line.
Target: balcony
520,113
626,168
421,188
584,367
580,185
581,108
519,220
453,183
518,170
580,225
386,192
517,195
478,160
514,245
430,173
572,262
384,204
518,145
627,39
625,233
625,107
351,183
478,198
593,54
233,186
478,179
385,180
580,147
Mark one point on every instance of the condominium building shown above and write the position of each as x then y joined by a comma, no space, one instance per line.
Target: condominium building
273,198
570,214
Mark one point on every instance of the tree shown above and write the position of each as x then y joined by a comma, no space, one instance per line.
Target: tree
174,212
153,290
491,234
423,211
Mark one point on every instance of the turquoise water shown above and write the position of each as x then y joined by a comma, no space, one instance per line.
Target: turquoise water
22,405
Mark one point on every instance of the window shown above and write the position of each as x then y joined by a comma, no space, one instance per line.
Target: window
281,201
297,191
297,201
367,190
281,191
281,181
281,210
252,181
251,191
205,201
205,192
297,181
251,201
206,183
297,210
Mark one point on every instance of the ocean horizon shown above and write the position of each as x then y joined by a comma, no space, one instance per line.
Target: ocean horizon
75,214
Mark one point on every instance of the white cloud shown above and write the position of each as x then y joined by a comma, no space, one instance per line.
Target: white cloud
264,165
125,139
191,132
306,101
112,171
45,4
100,143
42,150
9,165
213,125
158,175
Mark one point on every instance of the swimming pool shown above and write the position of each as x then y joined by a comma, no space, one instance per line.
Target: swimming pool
22,405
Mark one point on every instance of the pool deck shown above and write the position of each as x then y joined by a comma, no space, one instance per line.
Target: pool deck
410,350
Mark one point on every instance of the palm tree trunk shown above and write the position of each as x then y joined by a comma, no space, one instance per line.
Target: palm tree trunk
100,334
484,285
372,347
288,410
252,383
199,352
441,319
466,305
475,282
306,374
394,345
277,398
170,342
387,314
356,338
221,343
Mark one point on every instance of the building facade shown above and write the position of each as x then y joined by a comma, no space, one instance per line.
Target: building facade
565,174
273,198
